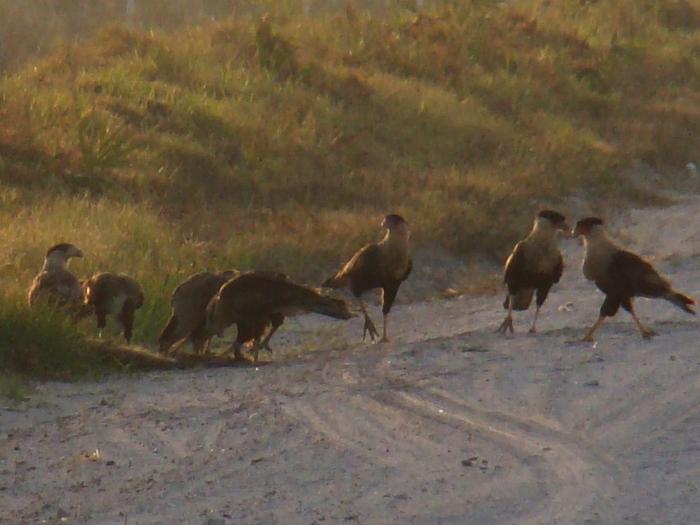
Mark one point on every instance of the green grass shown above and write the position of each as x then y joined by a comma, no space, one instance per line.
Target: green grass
43,343
279,142
13,388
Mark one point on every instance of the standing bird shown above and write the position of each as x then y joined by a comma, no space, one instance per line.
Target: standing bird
255,301
113,294
621,276
189,305
534,266
385,264
55,283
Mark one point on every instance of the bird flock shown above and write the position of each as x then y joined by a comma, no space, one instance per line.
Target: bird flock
258,302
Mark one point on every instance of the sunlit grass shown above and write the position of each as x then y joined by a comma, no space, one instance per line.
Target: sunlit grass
43,343
13,388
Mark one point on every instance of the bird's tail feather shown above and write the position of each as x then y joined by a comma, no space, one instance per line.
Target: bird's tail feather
681,301
521,299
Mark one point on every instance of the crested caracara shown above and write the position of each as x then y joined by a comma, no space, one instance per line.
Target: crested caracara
533,267
621,276
189,304
113,294
55,283
385,264
254,301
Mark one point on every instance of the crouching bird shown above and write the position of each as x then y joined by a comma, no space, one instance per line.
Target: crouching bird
534,266
189,305
621,276
385,264
55,283
254,301
113,294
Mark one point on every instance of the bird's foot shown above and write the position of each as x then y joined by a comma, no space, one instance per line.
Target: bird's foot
506,325
583,340
243,359
238,356
385,339
532,330
369,327
648,333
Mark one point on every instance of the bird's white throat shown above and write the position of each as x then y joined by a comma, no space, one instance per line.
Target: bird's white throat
599,249
55,261
543,231
396,238
596,239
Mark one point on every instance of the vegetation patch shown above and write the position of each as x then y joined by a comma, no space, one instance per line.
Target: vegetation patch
43,343
278,141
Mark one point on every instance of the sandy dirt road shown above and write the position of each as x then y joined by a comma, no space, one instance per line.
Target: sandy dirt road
448,424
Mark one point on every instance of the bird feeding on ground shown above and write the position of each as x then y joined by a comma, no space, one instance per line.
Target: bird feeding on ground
116,295
189,304
260,301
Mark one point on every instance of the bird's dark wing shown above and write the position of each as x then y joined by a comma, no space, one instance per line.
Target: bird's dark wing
515,265
195,293
262,294
364,262
362,271
409,269
558,270
187,287
630,275
62,286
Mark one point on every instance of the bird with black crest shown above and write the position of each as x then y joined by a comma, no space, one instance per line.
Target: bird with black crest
55,283
622,275
533,267
384,265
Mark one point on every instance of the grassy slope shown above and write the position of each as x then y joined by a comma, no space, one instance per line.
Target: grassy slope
280,143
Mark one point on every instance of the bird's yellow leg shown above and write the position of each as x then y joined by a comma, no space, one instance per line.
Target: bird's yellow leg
646,332
385,337
369,325
533,328
507,323
265,342
200,346
237,355
258,345
589,335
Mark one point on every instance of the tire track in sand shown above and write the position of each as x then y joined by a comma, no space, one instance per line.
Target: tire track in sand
578,475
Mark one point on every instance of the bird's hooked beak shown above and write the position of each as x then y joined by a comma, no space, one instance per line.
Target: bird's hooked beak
565,229
77,252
